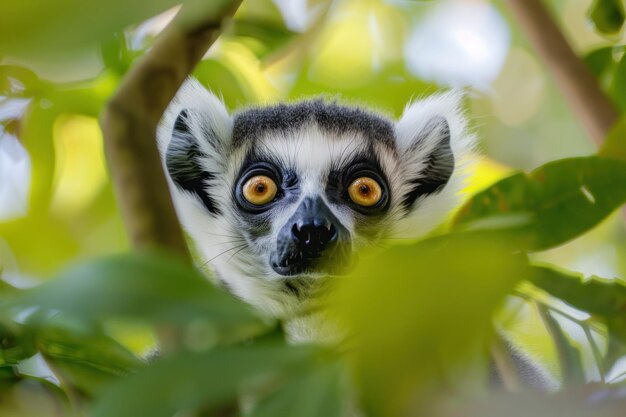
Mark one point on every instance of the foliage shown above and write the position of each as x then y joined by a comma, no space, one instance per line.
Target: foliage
417,317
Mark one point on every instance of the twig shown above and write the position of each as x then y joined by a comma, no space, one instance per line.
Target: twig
595,111
129,124
130,120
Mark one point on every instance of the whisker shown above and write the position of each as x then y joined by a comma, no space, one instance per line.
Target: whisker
231,256
222,253
217,234
224,243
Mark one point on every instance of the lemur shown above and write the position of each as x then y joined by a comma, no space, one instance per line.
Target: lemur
279,197
276,197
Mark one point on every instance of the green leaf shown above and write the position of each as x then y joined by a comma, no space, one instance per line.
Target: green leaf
601,297
615,143
312,393
607,16
53,29
618,84
600,60
219,78
570,361
27,396
208,380
550,206
419,316
16,342
595,295
85,361
148,286
261,37
115,53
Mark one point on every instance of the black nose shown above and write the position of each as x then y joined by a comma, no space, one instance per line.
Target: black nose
315,236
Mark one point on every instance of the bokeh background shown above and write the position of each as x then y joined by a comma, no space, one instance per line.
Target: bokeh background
56,199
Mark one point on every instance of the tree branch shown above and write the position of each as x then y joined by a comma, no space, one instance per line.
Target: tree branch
595,111
130,120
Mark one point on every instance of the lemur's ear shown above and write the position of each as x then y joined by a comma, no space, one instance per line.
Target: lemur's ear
425,138
194,140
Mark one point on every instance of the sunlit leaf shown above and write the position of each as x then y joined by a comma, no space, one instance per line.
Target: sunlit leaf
146,286
419,317
607,15
189,381
550,206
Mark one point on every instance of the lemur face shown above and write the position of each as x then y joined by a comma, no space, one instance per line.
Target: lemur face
277,198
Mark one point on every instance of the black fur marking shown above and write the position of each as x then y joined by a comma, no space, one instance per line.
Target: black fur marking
439,166
181,159
251,124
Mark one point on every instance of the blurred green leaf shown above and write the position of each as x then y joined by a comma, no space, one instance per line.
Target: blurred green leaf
148,286
607,16
314,392
219,78
570,361
618,84
85,361
595,295
54,29
28,396
17,342
115,53
391,88
597,400
208,380
6,288
615,143
550,206
16,81
616,341
601,297
600,60
419,317
261,37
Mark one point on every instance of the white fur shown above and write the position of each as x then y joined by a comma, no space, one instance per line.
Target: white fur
432,209
310,151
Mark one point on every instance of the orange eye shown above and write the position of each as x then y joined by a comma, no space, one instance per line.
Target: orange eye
259,190
365,191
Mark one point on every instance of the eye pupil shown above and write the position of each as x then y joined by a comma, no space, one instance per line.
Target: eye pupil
365,190
260,188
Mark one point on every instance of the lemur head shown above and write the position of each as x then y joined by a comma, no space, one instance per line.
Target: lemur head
277,197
